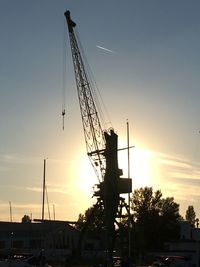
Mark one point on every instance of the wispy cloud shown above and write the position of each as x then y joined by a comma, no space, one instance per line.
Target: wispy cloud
175,162
106,49
59,190
17,159
178,177
181,168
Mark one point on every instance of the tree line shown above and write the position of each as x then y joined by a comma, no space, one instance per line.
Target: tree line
155,220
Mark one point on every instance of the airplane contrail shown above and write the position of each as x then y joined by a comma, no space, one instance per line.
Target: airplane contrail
105,49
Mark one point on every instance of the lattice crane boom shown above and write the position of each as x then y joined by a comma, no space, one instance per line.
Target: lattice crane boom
101,146
93,133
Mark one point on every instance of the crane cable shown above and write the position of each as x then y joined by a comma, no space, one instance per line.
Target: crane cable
101,107
64,80
47,202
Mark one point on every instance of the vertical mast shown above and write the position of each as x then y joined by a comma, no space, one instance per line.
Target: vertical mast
10,211
43,190
129,219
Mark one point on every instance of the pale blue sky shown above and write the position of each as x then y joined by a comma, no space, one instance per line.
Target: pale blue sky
152,78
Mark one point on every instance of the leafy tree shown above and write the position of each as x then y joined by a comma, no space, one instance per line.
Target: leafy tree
197,222
190,215
26,219
80,222
156,219
170,219
144,203
91,223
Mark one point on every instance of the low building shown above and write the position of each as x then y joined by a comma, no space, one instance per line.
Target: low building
188,245
58,238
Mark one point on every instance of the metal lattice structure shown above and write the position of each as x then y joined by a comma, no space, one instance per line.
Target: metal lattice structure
101,147
94,137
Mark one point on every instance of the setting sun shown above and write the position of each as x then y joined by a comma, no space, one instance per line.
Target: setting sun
141,166
141,170
86,176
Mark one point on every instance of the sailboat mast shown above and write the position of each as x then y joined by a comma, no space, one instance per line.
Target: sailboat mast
43,191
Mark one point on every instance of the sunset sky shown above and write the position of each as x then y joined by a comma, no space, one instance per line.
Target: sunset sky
144,55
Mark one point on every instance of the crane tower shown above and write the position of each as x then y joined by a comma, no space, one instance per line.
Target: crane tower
102,146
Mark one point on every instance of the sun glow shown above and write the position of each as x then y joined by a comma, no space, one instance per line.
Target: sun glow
86,176
142,171
141,166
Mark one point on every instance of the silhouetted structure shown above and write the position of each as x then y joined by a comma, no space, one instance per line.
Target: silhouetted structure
101,146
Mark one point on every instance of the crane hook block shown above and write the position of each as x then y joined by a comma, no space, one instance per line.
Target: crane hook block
63,115
71,23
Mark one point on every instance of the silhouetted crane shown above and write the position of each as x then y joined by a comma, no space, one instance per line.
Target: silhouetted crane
101,145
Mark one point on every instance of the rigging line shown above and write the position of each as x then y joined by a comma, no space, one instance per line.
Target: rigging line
91,79
104,106
64,68
95,90
99,99
47,203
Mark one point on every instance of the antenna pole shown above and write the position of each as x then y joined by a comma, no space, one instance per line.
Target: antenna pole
129,219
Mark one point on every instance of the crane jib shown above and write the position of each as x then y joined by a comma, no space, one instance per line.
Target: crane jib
102,147
71,24
94,137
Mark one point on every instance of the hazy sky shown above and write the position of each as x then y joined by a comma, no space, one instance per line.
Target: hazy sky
144,55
